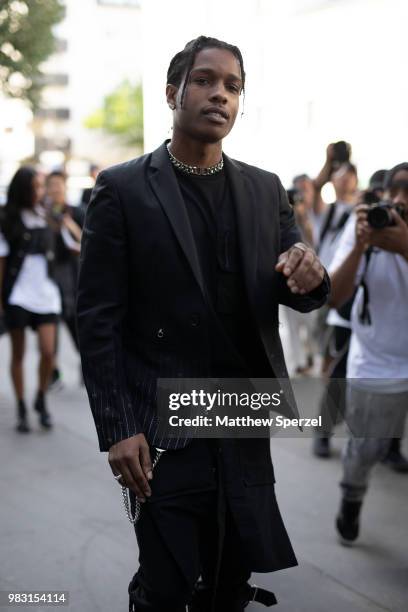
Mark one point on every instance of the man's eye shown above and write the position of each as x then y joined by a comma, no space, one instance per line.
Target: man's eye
201,80
234,88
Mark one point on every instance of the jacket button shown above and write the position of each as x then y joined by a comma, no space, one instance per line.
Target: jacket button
26,235
195,320
160,333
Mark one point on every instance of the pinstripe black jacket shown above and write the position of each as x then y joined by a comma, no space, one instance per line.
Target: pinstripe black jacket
142,310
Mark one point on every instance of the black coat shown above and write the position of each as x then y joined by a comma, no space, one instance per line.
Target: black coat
143,313
142,308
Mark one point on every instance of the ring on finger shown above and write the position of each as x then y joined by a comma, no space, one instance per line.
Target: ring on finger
300,246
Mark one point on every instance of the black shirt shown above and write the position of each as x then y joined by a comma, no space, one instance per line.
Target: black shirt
236,346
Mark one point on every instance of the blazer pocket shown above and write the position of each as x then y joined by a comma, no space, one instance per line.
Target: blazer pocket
256,462
258,478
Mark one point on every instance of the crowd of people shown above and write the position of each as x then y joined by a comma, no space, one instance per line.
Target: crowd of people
40,237
360,337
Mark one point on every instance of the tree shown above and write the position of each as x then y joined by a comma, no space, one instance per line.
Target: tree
26,40
121,114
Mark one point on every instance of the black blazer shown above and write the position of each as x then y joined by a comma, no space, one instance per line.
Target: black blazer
142,308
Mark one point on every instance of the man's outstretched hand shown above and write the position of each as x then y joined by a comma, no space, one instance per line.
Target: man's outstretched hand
302,268
131,459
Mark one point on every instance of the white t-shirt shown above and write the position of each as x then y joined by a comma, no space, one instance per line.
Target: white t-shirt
379,351
327,250
33,289
328,246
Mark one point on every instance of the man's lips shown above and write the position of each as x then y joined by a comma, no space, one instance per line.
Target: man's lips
216,115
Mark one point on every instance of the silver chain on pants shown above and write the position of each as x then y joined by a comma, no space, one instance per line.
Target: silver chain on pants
125,493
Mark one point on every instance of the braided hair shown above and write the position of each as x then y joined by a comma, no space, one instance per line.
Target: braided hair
183,61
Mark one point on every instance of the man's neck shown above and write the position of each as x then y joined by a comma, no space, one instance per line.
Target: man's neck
346,198
194,152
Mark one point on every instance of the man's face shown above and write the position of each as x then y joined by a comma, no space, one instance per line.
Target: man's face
398,191
344,182
305,186
211,99
56,190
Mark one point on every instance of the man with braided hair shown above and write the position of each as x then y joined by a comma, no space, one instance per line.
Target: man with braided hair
186,255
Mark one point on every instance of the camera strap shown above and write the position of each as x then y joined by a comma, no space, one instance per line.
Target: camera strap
333,229
364,315
327,224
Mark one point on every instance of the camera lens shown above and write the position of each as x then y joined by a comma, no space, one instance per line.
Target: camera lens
379,217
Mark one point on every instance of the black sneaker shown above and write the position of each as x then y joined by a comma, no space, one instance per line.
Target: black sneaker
347,521
22,422
40,407
321,447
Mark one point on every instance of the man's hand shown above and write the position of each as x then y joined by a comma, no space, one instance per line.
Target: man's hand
393,238
131,459
302,268
363,229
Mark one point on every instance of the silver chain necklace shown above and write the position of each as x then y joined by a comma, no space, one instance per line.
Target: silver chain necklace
187,169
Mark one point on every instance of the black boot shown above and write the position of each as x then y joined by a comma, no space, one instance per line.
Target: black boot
22,422
347,521
394,458
235,601
321,447
40,407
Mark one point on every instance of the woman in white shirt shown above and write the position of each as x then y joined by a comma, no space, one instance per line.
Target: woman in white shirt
29,295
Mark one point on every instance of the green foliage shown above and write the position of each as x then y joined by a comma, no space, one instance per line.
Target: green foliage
26,40
121,114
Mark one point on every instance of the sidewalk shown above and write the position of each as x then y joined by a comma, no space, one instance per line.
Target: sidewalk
63,526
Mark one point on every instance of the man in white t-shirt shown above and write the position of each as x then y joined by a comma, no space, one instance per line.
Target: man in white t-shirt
376,260
332,327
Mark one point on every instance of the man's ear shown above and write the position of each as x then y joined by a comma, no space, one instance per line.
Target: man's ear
171,95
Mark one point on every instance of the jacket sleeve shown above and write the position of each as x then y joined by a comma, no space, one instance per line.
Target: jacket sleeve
289,235
101,307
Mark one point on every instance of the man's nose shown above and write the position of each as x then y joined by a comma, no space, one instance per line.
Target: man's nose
219,94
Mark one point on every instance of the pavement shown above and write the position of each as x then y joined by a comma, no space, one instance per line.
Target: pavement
63,525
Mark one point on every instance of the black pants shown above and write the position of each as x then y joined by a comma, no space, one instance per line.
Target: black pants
207,545
333,402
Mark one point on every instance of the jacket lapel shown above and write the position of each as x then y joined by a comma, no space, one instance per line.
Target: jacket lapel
247,221
166,188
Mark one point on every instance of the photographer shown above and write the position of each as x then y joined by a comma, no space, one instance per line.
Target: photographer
330,220
333,327
333,402
373,255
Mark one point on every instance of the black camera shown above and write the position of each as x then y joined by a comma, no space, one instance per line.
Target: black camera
371,197
341,153
379,215
294,196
